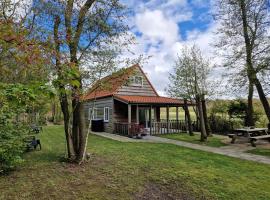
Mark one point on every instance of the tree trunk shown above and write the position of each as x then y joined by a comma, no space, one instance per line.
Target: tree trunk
263,98
206,122
250,113
63,95
202,124
53,111
65,111
187,114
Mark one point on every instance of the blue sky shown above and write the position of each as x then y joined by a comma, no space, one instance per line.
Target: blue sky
163,27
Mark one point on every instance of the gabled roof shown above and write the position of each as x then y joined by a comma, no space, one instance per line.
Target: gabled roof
109,85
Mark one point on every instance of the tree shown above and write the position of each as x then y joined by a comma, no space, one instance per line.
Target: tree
245,44
190,80
82,31
22,83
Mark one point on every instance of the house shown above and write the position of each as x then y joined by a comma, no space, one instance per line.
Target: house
127,100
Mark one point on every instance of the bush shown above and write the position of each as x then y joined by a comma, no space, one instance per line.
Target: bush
220,125
11,146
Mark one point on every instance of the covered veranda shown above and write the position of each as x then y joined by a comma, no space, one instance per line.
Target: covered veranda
134,114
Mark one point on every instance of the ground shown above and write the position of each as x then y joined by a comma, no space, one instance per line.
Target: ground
119,170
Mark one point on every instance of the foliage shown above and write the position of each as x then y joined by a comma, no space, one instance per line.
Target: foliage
22,60
219,124
190,75
218,107
14,100
11,145
237,109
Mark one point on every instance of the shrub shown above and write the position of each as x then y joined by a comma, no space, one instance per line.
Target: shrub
11,147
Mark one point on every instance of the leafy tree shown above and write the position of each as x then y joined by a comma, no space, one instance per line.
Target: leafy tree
87,36
237,109
23,62
244,42
14,100
190,80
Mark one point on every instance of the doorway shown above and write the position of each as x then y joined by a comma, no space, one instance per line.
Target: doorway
144,116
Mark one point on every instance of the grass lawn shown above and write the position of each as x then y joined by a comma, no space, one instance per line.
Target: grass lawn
133,171
260,151
213,141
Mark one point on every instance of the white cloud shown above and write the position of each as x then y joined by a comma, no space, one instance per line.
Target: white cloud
157,23
156,27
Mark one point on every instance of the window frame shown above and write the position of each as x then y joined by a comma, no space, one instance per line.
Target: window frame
137,84
108,114
94,114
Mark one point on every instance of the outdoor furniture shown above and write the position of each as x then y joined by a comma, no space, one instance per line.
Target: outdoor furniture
32,143
255,138
253,134
233,136
35,128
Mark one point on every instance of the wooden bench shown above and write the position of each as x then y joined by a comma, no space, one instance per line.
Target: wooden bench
233,136
255,138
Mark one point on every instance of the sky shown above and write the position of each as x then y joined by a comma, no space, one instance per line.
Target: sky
163,27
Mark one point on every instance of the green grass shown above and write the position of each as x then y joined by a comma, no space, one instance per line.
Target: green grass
260,151
213,141
131,170
181,113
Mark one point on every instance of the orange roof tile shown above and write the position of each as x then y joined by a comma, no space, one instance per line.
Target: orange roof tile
149,99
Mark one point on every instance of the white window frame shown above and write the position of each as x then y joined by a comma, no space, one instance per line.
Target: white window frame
108,114
137,84
94,114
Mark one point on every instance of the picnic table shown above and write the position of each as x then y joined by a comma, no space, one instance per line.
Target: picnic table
253,134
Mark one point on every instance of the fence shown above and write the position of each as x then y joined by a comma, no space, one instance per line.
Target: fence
154,128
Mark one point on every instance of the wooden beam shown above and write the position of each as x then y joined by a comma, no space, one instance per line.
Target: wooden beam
167,117
158,114
129,118
177,113
187,117
177,118
137,114
150,119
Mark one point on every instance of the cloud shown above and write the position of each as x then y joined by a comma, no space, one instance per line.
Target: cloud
155,27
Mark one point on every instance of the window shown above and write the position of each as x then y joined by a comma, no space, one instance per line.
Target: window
106,114
137,81
94,114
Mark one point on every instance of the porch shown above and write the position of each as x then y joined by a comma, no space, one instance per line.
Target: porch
135,115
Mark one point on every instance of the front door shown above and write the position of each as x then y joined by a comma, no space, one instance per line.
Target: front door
144,116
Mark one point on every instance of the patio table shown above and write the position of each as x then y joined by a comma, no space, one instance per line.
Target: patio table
252,134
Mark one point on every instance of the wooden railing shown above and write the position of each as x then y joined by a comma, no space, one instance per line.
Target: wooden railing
165,127
161,127
123,128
